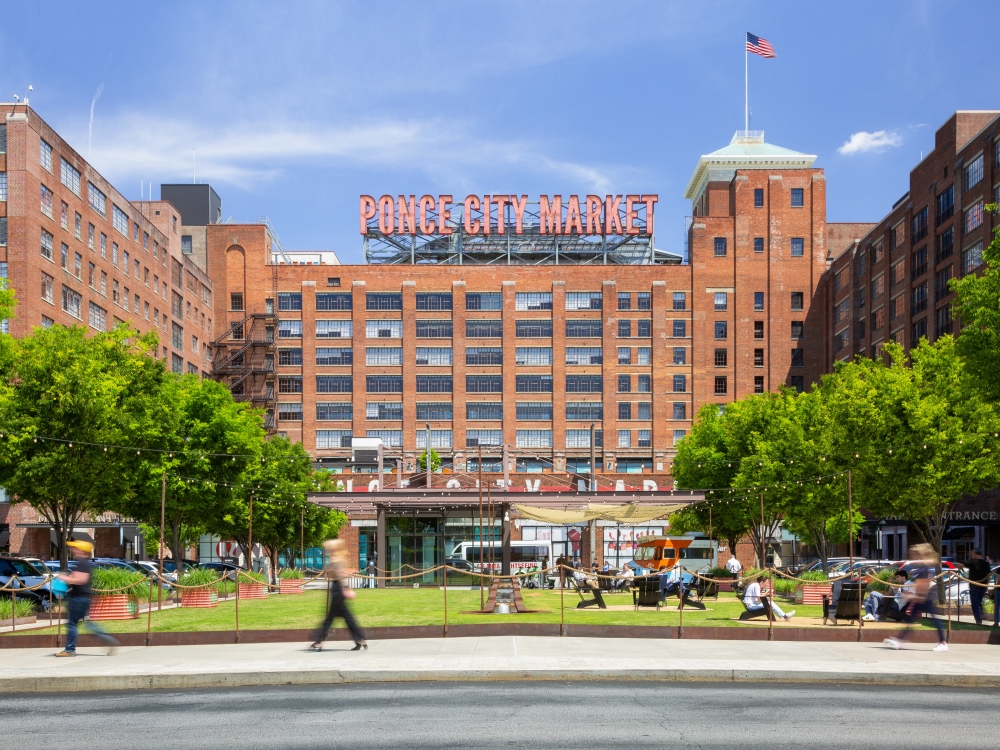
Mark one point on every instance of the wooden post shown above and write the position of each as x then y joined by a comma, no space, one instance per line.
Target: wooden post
149,609
710,552
949,609
562,605
236,578
850,548
163,523
13,604
445,570
763,566
680,607
302,539
482,601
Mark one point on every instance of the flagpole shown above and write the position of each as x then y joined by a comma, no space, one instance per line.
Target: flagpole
746,86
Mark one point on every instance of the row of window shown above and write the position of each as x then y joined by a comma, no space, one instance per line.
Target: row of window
327,439
393,329
797,197
721,246
476,383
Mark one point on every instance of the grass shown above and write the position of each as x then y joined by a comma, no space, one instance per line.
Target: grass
394,607
24,607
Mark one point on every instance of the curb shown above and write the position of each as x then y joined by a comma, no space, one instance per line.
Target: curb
80,683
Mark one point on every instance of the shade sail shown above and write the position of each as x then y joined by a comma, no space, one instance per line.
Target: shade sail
630,513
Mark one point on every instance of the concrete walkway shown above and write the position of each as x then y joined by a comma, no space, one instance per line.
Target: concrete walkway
498,658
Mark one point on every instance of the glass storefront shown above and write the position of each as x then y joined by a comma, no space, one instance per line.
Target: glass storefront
420,542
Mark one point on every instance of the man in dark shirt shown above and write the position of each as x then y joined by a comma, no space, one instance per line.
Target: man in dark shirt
78,598
979,572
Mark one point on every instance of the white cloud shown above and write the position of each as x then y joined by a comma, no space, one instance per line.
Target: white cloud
863,142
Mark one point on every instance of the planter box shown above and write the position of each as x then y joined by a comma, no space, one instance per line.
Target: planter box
291,585
200,598
726,585
113,607
253,591
812,593
19,621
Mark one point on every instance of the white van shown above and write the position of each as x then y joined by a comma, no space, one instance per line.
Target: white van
523,555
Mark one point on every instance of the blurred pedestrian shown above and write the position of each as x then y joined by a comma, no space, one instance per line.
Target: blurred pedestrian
979,573
561,564
78,598
336,572
921,599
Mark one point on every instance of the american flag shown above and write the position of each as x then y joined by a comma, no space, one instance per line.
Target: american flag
759,46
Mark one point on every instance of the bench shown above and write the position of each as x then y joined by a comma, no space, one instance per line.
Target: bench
646,593
763,611
850,603
583,588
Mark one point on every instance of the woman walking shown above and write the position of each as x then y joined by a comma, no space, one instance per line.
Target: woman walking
921,599
336,572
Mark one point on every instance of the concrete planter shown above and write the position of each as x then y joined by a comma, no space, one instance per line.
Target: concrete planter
812,593
114,607
200,598
290,585
19,621
253,591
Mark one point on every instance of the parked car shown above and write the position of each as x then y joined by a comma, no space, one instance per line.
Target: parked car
134,566
818,564
224,568
53,566
28,575
170,567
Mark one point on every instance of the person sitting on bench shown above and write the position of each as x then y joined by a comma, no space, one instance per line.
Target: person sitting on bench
875,605
626,577
671,583
751,598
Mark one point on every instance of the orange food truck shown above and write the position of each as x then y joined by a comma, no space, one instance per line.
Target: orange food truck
664,552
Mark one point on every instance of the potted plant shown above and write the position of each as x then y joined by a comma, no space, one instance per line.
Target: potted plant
720,572
814,586
116,593
290,581
207,595
252,585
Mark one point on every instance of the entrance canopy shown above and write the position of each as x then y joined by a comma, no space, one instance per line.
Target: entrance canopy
630,513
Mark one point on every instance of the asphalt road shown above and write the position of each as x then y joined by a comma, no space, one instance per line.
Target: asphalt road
506,715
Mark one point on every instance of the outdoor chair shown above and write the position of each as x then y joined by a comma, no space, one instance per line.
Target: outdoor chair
646,591
763,611
849,606
583,588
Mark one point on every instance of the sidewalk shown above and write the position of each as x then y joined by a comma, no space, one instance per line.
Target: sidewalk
498,658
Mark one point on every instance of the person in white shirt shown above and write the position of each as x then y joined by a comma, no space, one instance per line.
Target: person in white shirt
733,565
626,577
751,597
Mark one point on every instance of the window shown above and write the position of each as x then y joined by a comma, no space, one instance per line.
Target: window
798,300
483,301
186,244
624,355
584,384
390,411
483,329
3,139
974,217
721,301
758,244
941,279
47,322
341,410
483,355
584,410
798,247
533,301
878,319
383,301
492,410
624,301
758,357
643,354
972,258
69,176
590,328
46,245
290,412
797,198
758,301
47,286
97,199
334,384
720,245
176,363
290,329
104,249
643,301
680,300
918,263
72,302
46,200
721,330
439,328
644,383
624,438
758,384
678,436
645,438
918,330
63,255
797,358
537,329
290,384
797,328
840,341
758,330
45,155
3,186
484,384
680,410
583,300
104,284
291,357
578,439
389,438
333,281
918,225
973,173
92,275
721,385
624,329
384,329
897,307
434,410
476,438
434,301
897,274
119,220
942,321
758,197
536,355
945,205
334,329
326,301
680,383
533,383
534,438
944,245
376,356
680,329
384,383
645,410
721,357
918,299
680,355
434,355
798,383
331,356
289,301
326,439
624,410
624,383
434,384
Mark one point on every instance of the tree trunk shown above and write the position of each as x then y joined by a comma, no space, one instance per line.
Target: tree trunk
175,536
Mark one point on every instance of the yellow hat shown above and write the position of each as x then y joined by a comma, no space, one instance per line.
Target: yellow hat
81,545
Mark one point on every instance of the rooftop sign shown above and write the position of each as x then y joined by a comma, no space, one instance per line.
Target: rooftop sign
503,214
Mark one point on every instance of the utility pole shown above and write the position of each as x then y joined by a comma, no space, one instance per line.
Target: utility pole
506,468
593,461
427,455
482,602
163,523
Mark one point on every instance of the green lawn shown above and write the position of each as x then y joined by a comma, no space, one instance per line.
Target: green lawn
424,606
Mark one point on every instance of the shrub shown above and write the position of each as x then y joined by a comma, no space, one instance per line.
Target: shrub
199,577
291,574
24,608
248,576
815,575
785,587
880,581
750,573
719,573
107,581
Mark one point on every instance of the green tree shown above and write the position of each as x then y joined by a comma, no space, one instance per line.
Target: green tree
435,461
81,393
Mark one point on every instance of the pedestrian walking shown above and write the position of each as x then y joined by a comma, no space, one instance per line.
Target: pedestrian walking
336,572
78,598
979,573
921,599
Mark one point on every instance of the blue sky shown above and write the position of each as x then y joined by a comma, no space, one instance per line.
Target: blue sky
293,109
